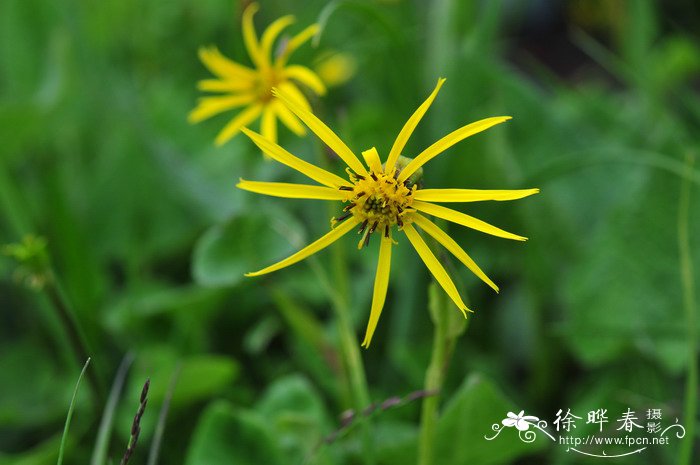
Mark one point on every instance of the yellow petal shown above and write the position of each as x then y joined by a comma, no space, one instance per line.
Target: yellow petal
276,152
307,77
271,34
435,267
463,219
268,124
409,127
250,38
288,118
323,132
242,119
312,248
296,42
447,242
293,92
471,195
222,66
211,106
372,159
216,85
448,141
381,282
291,191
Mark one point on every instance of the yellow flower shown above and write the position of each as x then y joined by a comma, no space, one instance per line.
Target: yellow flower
377,197
243,87
336,68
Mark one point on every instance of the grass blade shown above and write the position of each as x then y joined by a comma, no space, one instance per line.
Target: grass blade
99,454
70,414
162,416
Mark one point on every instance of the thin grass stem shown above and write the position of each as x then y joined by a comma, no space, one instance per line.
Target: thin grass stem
104,431
62,448
154,450
72,331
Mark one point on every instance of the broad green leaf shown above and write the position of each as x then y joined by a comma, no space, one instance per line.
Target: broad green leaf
153,301
227,435
396,441
468,417
31,398
624,295
200,377
465,421
291,397
245,243
295,412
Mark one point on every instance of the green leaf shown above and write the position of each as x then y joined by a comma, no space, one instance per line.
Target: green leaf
616,306
245,243
396,441
151,301
295,412
226,435
44,453
30,398
200,377
291,396
468,417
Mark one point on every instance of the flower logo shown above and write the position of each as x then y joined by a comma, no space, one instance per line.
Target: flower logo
520,421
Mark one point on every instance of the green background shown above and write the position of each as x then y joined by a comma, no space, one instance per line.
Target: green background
149,237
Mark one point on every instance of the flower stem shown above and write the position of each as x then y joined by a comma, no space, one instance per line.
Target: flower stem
11,206
73,332
447,329
687,282
429,411
349,345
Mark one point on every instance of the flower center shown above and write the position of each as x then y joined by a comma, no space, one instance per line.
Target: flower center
266,81
378,201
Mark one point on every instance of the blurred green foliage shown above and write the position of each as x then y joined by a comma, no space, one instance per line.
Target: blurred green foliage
149,237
